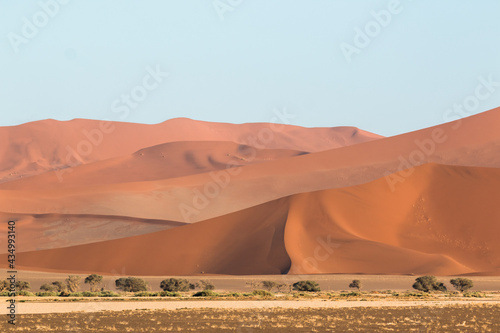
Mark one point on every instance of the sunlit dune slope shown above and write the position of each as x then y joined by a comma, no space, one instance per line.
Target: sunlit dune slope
441,220
164,161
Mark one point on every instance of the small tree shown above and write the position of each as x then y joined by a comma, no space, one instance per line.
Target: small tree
47,287
462,284
73,283
205,285
355,284
131,284
281,287
174,284
428,283
22,285
306,286
268,285
94,281
59,286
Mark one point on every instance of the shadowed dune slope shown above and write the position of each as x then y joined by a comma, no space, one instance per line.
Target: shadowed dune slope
441,220
474,141
168,160
245,242
47,231
40,146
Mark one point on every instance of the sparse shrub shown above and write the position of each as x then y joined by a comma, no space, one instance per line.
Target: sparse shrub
262,293
94,281
474,294
205,293
306,286
268,285
132,284
252,284
428,283
205,285
462,284
174,285
22,285
355,284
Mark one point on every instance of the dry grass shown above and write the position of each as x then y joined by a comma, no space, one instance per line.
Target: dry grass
450,318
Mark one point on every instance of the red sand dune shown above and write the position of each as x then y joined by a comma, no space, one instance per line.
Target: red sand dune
442,220
37,147
388,205
474,141
168,160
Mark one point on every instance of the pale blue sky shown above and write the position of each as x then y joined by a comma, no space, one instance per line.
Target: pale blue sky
264,55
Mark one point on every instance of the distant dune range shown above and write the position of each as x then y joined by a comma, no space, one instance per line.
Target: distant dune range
320,200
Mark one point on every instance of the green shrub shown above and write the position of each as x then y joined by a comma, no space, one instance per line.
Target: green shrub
107,293
47,294
132,284
416,295
90,294
24,293
234,295
355,284
428,283
174,285
22,285
268,285
354,293
262,293
77,294
169,294
48,287
205,285
205,293
306,286
145,294
94,281
462,284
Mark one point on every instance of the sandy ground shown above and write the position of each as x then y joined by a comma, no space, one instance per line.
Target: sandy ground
327,282
51,307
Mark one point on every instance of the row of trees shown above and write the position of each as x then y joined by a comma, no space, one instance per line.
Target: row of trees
426,283
430,283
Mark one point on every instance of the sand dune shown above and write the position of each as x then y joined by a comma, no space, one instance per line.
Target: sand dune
421,202
164,161
426,226
40,146
474,141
